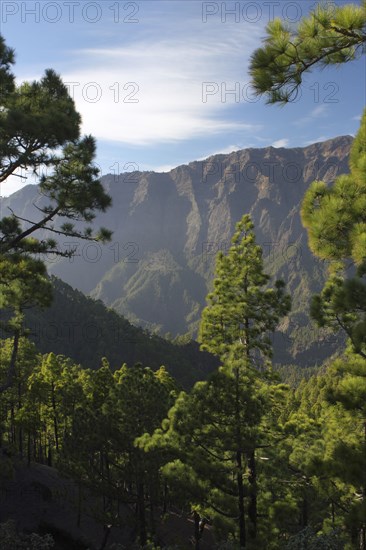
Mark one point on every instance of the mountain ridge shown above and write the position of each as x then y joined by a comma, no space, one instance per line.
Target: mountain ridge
169,226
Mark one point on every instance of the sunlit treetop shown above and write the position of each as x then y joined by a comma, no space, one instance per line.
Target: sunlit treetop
329,35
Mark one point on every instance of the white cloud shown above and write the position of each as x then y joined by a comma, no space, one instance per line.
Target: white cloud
163,90
320,111
161,168
224,151
316,140
280,143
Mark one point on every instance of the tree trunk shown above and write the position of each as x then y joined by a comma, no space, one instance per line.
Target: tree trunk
252,508
153,500
55,425
240,487
20,434
49,455
80,500
165,498
363,526
197,534
304,512
239,465
107,532
141,513
29,449
13,437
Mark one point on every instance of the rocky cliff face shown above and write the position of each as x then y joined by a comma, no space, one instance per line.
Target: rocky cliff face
168,228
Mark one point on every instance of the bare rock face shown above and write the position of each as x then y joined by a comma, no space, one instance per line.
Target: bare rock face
168,228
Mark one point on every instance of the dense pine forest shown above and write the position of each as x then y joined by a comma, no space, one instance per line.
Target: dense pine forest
115,438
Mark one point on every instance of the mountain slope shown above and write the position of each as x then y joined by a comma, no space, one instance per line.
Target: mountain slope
85,330
168,228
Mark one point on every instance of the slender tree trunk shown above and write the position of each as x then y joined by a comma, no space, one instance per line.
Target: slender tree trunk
49,454
55,424
363,526
197,534
20,433
304,512
12,429
363,538
165,498
106,469
153,499
240,486
29,449
252,508
239,466
141,513
80,499
107,532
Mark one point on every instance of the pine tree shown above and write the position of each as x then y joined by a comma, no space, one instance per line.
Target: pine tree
213,433
241,312
335,215
24,283
40,128
348,458
235,326
335,218
329,35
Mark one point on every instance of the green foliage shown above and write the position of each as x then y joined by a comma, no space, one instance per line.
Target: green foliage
212,434
24,282
6,61
335,216
74,192
240,312
41,128
38,119
86,423
329,35
325,453
330,450
336,222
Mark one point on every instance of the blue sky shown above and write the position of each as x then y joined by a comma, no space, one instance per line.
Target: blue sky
163,83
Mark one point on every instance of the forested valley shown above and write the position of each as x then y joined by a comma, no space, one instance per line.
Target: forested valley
121,439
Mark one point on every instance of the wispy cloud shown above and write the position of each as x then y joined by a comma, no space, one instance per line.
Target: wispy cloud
281,142
160,91
321,111
316,140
